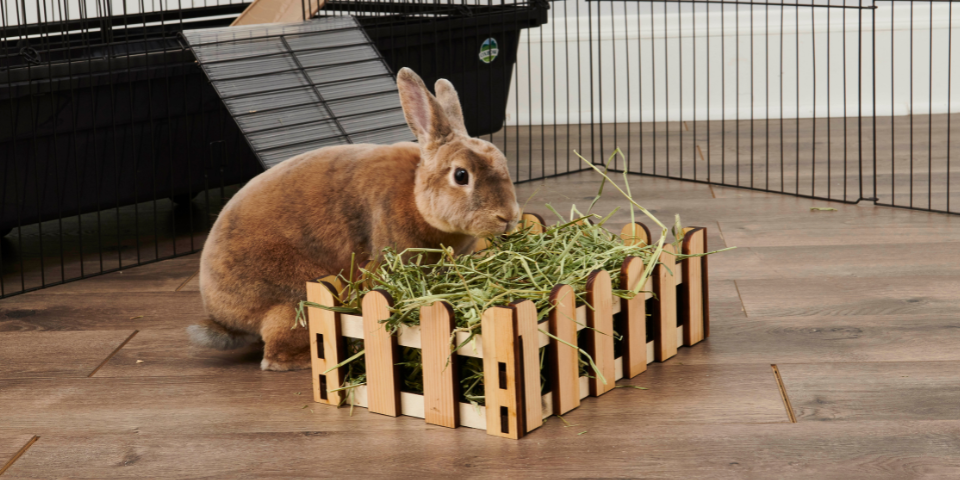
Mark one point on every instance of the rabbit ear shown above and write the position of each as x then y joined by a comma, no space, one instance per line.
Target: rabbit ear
424,114
447,96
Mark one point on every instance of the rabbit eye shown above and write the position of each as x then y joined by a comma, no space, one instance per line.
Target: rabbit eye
461,176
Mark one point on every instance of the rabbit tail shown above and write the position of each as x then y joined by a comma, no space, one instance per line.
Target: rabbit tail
211,334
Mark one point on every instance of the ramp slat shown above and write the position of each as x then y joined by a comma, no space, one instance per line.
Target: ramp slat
292,88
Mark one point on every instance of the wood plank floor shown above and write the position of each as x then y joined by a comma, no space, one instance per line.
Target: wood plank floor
857,307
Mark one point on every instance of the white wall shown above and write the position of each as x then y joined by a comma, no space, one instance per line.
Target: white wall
650,55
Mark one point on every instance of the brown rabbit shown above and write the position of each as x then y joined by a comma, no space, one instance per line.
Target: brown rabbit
305,217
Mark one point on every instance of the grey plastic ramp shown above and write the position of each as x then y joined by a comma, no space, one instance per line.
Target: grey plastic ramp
293,88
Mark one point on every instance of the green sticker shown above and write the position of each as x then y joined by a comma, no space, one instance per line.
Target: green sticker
489,50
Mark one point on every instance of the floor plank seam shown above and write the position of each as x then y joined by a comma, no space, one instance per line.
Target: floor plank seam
720,230
783,394
742,305
114,352
185,282
19,453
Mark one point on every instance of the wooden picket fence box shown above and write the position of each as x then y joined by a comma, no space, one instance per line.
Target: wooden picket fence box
679,316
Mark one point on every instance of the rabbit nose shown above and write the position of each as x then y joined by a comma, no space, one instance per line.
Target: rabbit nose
507,224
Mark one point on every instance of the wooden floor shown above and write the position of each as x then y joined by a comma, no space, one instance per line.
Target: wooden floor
858,308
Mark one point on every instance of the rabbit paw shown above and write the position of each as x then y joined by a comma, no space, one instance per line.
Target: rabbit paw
278,366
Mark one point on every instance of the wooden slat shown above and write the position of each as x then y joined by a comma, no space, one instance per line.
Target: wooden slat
564,360
278,11
326,343
382,355
440,368
665,306
265,406
846,450
691,292
635,234
878,391
861,261
501,373
173,275
56,354
525,316
46,311
600,338
634,313
705,287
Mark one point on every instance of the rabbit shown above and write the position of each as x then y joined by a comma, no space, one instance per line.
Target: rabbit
304,218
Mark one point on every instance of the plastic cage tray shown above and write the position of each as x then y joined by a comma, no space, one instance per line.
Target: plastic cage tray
292,88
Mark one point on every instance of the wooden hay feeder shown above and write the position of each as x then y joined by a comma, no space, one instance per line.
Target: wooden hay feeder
653,328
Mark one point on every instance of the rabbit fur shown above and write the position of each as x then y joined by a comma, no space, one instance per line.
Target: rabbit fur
304,219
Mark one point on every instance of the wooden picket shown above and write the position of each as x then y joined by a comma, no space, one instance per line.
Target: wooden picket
600,334
564,361
440,366
326,342
694,316
525,324
634,311
502,375
382,355
665,306
675,298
